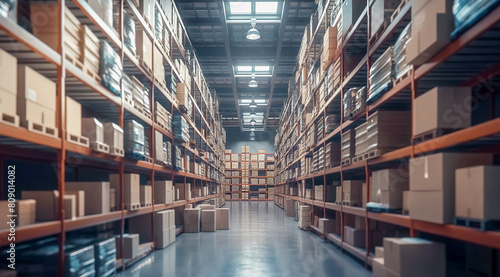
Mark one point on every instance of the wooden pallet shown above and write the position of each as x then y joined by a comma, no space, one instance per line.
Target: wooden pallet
79,140
358,158
39,128
398,10
9,119
99,147
372,154
146,204
351,203
379,33
483,225
148,159
345,162
432,134
83,68
404,76
116,151
160,124
129,101
159,162
132,207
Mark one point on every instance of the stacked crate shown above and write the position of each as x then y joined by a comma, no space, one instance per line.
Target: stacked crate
113,137
332,154
163,117
180,128
144,49
331,123
304,217
381,74
347,147
93,129
129,39
90,51
320,126
110,68
352,192
329,47
105,257
134,140
361,141
140,96
387,131
178,158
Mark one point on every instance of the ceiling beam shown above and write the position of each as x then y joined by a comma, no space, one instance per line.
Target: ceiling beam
284,20
212,21
222,12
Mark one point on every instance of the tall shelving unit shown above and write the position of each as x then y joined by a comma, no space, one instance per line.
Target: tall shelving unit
479,68
235,177
17,143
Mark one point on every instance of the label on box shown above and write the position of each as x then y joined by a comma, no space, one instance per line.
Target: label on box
32,95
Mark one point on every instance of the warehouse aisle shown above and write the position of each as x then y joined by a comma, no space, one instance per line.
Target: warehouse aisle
262,242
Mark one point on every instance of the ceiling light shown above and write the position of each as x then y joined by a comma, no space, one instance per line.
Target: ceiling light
252,128
253,83
252,134
253,105
253,34
253,114
252,121
252,138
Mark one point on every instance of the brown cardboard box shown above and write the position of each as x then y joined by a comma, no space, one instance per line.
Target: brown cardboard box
261,151
182,94
112,199
144,47
8,104
79,201
8,73
414,257
69,206
73,117
378,268
181,191
436,109
222,217
235,157
93,129
113,135
235,165
379,11
261,157
30,111
326,226
159,70
130,246
354,237
24,209
192,220
406,201
35,87
379,252
431,29
208,220
477,192
131,188
97,195
46,203
431,206
163,192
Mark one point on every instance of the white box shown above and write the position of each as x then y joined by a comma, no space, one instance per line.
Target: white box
73,117
131,188
146,196
93,129
80,201
130,246
113,135
163,192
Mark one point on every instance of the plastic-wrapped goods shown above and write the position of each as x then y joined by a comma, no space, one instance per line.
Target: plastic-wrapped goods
469,12
180,128
158,24
167,150
146,147
349,98
381,75
134,140
171,82
127,86
105,258
129,33
359,102
331,123
110,68
400,64
178,164
6,6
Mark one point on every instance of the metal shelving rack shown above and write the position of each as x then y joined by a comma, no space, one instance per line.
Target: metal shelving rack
20,144
240,176
479,64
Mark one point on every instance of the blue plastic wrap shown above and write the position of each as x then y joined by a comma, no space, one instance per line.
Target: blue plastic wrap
134,140
110,68
129,33
158,24
105,258
469,12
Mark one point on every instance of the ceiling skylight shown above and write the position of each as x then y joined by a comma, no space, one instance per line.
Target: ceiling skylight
266,7
240,7
261,68
244,68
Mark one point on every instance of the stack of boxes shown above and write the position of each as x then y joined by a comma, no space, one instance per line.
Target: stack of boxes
410,257
163,117
332,154
134,140
74,122
165,230
144,50
129,33
387,131
25,210
361,141
381,11
329,47
381,74
159,69
304,217
352,190
104,9
183,92
331,123
140,96
8,89
163,192
178,158
131,190
222,218
146,196
401,65
91,49
130,245
326,226
105,257
348,147
289,207
36,100
192,220
208,218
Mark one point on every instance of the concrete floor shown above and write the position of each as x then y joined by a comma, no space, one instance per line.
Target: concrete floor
261,242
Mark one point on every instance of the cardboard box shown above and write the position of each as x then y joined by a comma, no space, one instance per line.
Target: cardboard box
32,112
112,199
130,246
97,195
414,257
163,192
8,102
24,209
379,252
46,203
182,93
406,201
222,217
431,27
8,73
354,237
146,196
93,129
73,117
79,201
144,47
159,70
326,226
113,135
378,268
69,206
192,220
477,192
131,188
351,10
35,87
208,220
436,109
